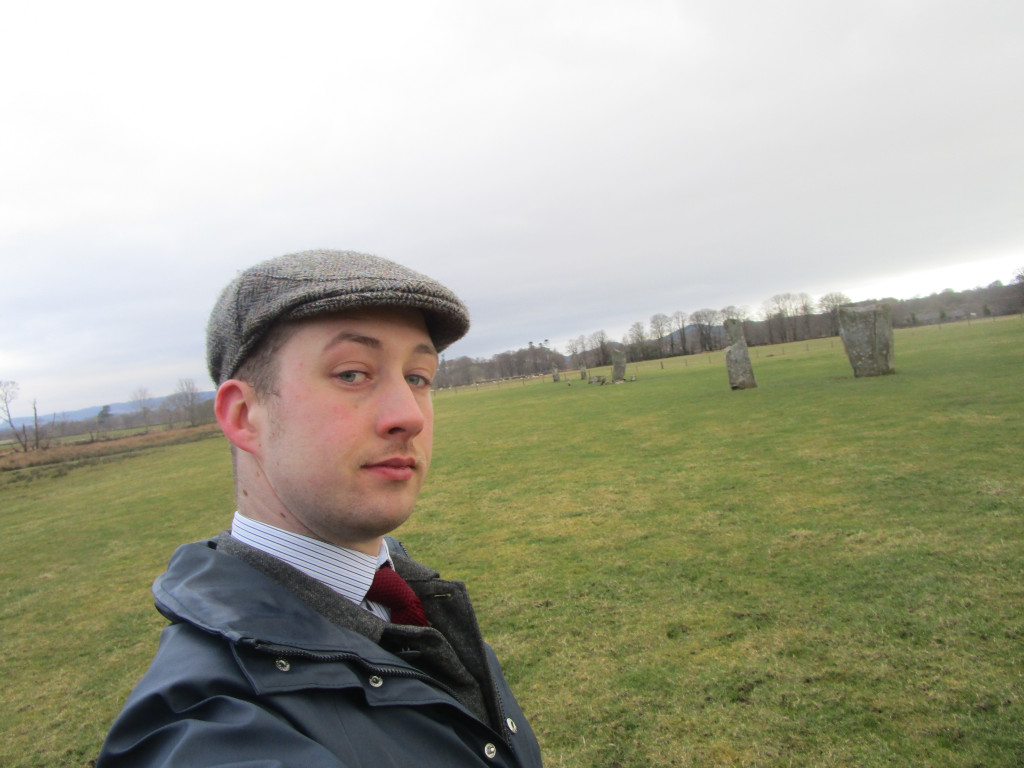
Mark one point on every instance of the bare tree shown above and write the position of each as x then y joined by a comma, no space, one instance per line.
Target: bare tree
8,394
740,314
547,357
805,308
661,327
768,319
504,365
636,339
531,358
574,348
464,370
581,345
144,403
829,304
187,399
781,311
40,436
60,427
599,345
706,320
679,318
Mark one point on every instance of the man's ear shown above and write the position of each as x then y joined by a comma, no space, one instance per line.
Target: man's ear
234,408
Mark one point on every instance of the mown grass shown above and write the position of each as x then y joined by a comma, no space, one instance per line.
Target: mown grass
822,571
76,618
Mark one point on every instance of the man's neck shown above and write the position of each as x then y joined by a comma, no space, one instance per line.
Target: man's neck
345,570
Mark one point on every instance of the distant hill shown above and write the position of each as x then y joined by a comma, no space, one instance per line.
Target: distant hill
85,414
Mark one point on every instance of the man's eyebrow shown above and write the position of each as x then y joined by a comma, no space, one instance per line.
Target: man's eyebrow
426,349
374,343
356,338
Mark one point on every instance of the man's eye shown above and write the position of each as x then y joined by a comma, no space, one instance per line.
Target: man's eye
417,380
351,377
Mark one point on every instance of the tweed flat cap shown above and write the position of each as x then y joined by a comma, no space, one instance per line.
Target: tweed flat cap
312,283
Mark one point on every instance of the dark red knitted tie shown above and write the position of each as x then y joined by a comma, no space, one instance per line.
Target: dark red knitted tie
390,590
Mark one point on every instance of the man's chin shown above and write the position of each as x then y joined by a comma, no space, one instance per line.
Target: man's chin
387,521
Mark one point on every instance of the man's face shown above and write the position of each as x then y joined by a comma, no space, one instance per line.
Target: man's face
346,436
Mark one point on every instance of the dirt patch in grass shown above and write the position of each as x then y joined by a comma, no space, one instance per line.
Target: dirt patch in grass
84,452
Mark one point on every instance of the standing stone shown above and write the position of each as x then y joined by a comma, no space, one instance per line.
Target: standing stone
867,336
583,374
554,374
737,358
618,366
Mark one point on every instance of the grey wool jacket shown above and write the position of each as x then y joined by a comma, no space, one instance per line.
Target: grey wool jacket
263,666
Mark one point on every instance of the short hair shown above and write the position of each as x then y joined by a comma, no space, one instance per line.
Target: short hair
260,368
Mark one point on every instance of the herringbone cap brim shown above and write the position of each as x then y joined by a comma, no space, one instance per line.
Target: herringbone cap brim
311,283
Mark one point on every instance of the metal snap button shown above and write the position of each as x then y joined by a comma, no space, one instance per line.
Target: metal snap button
490,751
376,681
511,725
283,665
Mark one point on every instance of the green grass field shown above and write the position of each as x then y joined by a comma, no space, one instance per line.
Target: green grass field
822,571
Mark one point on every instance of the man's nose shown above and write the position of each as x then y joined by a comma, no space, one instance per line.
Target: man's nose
401,410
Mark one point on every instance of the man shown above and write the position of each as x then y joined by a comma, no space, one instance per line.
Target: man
293,641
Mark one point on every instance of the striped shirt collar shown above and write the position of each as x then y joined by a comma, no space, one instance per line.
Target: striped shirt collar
346,571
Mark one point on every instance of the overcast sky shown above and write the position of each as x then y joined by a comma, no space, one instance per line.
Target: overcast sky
566,167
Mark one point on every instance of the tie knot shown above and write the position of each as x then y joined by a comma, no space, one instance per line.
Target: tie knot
391,590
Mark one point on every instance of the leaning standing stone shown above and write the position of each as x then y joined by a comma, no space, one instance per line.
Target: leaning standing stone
737,358
867,336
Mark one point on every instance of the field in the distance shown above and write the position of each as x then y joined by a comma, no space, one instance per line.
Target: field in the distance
820,572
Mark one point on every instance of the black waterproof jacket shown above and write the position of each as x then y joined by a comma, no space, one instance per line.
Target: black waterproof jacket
250,674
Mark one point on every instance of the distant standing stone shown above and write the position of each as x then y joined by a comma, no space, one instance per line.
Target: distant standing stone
867,336
737,358
618,366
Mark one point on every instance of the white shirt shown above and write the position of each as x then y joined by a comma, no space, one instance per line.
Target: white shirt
346,571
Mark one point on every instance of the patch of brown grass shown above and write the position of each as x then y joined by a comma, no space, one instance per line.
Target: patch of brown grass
74,452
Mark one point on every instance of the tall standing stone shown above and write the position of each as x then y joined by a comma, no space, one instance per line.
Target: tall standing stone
555,375
737,358
867,336
618,366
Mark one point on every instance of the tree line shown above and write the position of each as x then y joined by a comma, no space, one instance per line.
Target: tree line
785,317
186,406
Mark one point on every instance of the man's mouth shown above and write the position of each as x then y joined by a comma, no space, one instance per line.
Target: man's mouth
398,468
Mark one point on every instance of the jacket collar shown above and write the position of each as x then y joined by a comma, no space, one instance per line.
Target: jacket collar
251,599
210,584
